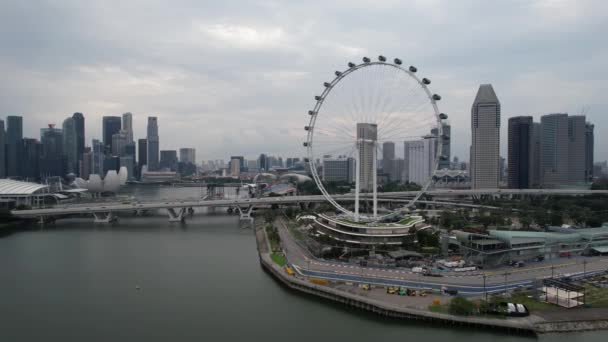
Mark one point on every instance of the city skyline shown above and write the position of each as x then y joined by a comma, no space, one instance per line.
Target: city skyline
284,68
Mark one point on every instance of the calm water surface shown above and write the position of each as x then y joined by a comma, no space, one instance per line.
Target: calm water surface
145,279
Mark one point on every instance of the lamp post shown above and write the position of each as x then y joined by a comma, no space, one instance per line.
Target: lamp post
584,268
505,287
485,293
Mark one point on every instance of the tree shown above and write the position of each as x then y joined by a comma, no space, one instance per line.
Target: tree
525,220
461,306
270,216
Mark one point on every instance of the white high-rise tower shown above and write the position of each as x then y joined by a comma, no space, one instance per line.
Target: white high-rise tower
485,145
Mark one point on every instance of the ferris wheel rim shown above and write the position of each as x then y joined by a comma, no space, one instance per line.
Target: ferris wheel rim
329,86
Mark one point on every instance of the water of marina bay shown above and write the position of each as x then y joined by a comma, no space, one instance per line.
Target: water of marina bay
145,279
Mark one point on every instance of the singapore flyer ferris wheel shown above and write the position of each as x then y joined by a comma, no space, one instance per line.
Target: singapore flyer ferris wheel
375,123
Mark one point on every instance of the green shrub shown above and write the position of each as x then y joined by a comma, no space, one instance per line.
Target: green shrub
461,306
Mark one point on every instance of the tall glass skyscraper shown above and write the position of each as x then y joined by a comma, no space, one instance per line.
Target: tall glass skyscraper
111,126
153,144
2,150
368,133
127,126
14,135
554,150
485,144
520,163
80,138
70,149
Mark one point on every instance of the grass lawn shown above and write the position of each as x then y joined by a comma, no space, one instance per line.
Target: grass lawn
279,259
439,308
596,296
407,220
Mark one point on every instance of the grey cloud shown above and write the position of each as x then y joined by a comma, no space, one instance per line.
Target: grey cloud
237,77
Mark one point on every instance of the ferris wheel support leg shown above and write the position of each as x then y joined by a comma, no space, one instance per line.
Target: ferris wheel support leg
357,176
375,179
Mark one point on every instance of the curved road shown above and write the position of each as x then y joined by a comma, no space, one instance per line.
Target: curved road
466,283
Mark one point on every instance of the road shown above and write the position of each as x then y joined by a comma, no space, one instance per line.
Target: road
466,283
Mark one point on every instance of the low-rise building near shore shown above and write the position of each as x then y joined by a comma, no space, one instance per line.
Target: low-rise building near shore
500,247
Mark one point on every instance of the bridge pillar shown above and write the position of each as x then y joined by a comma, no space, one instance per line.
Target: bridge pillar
176,215
104,217
245,214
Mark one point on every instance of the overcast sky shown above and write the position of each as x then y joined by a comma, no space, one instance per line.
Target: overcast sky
237,77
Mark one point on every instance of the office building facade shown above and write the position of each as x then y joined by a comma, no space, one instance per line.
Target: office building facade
127,126
2,150
111,125
153,144
14,135
485,144
520,147
78,119
188,156
554,150
70,148
367,136
341,169
577,134
589,151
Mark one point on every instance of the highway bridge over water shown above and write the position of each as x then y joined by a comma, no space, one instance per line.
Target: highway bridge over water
177,210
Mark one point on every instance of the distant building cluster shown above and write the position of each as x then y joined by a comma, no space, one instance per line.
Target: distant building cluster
555,152
62,152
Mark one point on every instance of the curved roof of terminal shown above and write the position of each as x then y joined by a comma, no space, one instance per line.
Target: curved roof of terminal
513,235
13,187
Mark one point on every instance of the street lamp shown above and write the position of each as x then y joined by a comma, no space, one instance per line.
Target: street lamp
584,268
485,293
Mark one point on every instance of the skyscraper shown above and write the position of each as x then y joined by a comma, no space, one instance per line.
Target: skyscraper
142,152
444,163
520,152
70,149
485,145
235,167
86,165
388,151
98,157
554,150
241,159
32,150
2,150
576,149
263,162
535,182
111,126
80,137
388,161
52,162
168,160
589,150
127,126
119,144
14,134
421,156
188,155
153,144
338,169
367,135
